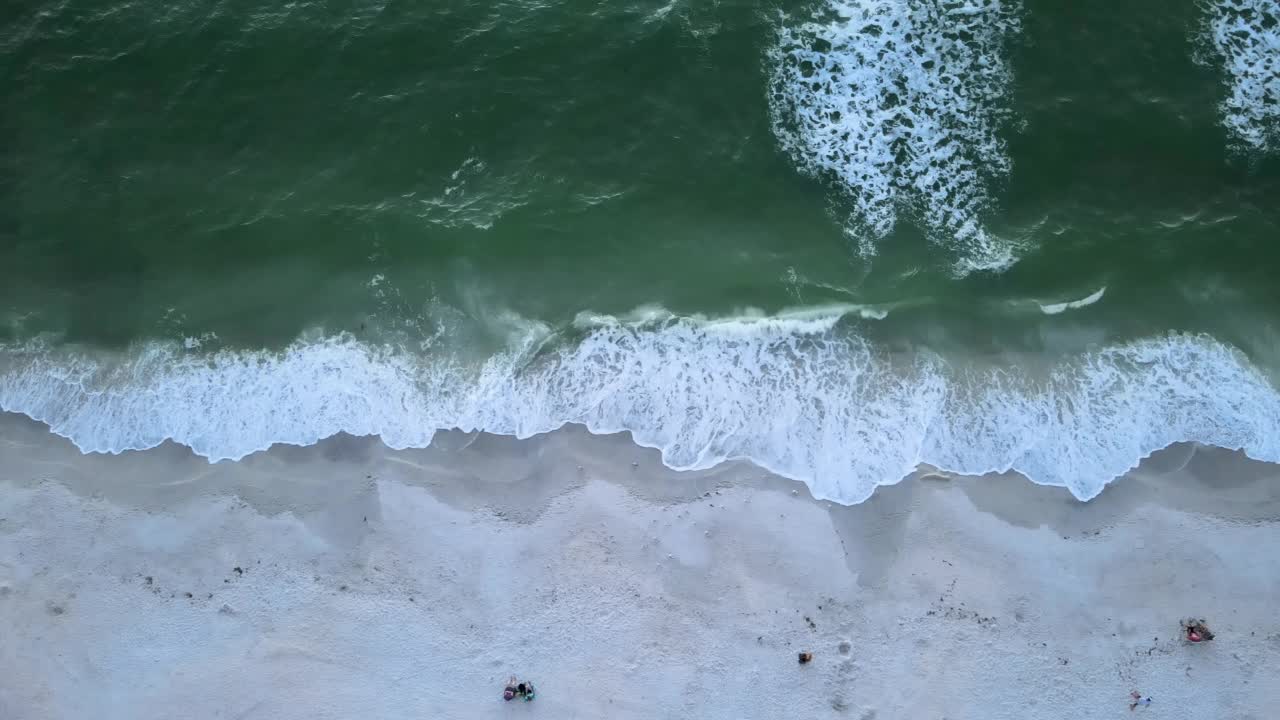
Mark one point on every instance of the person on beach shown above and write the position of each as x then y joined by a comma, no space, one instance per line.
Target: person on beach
1196,630
1138,700
515,688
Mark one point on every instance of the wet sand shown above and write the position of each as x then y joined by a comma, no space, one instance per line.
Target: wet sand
348,580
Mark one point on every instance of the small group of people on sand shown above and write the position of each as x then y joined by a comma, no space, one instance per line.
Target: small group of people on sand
518,689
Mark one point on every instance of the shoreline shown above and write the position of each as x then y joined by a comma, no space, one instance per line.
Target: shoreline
411,583
831,410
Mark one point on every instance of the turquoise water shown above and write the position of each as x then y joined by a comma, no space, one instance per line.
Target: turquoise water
838,239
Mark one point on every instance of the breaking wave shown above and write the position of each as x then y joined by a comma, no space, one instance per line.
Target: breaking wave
1243,36
806,398
900,103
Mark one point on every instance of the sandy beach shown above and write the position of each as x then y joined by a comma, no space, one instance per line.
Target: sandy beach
347,580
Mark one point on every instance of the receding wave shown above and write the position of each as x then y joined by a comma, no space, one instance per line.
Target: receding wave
806,398
900,102
1243,37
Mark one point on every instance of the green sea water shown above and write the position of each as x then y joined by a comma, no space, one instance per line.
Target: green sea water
230,177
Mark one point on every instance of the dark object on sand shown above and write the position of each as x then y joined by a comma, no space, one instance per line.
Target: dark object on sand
1196,630
805,657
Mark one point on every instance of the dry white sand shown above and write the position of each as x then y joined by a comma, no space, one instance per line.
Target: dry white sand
380,584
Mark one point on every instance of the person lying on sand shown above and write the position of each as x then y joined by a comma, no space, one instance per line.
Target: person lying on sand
1196,630
1138,700
525,690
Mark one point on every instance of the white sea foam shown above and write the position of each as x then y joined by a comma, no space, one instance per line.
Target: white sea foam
803,398
1244,39
661,13
1061,307
808,318
900,102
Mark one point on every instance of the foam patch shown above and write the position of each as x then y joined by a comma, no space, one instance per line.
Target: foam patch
900,103
1243,38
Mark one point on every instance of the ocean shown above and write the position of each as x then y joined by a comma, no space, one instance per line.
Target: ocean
839,239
